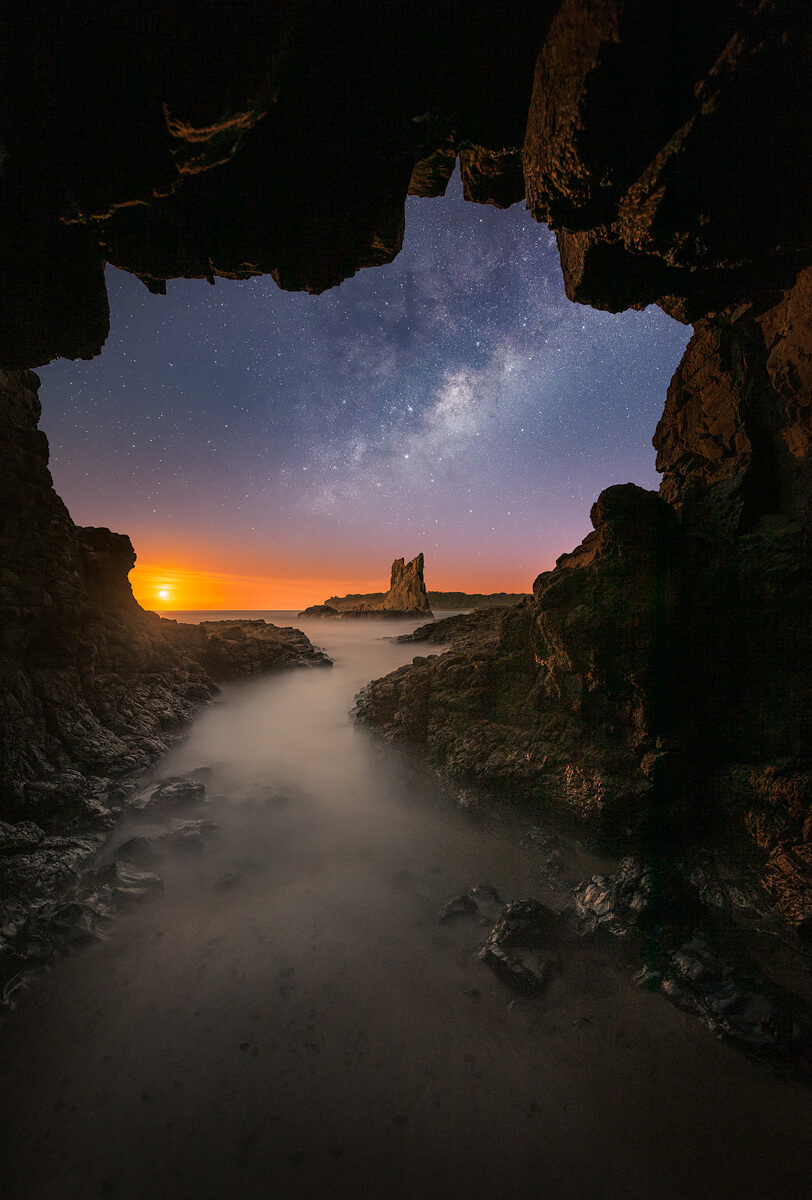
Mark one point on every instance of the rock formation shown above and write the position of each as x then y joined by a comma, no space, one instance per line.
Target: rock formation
92,687
406,597
659,679
407,591
91,683
658,684
177,143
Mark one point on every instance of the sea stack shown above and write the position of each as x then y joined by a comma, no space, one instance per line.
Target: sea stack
407,596
407,589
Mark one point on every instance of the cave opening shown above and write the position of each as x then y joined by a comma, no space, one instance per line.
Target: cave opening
454,401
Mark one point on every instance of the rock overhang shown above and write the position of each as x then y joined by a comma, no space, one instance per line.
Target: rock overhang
180,142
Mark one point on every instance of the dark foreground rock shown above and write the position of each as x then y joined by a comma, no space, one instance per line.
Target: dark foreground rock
92,688
679,922
60,892
699,935
233,649
520,944
657,687
664,143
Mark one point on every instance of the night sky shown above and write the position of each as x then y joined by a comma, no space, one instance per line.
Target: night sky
264,449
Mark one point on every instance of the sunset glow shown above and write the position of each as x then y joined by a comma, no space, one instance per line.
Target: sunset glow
157,587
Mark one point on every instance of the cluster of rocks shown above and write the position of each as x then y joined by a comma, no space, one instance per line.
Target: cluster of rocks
656,681
234,649
680,921
675,918
59,893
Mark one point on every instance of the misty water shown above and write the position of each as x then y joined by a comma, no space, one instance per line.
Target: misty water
288,1018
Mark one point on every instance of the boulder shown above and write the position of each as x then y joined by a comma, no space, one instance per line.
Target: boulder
519,945
319,610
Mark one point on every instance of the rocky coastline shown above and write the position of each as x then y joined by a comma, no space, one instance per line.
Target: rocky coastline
93,689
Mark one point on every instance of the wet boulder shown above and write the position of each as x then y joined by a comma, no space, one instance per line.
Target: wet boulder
171,792
182,836
141,850
122,882
481,901
735,1002
518,947
639,895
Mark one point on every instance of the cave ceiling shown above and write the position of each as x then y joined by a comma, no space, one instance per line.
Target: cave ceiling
667,144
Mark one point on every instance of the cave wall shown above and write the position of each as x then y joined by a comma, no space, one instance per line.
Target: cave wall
90,687
657,688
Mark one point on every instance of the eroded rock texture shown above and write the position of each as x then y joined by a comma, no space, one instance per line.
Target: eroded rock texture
407,596
283,139
253,138
656,138
407,590
91,685
560,698
658,683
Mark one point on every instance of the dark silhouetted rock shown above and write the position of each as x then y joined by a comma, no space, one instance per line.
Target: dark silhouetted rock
319,610
520,943
559,698
92,688
677,928
481,901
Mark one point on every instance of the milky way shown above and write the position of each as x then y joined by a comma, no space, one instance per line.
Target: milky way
453,402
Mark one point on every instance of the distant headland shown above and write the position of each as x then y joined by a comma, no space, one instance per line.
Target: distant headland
407,596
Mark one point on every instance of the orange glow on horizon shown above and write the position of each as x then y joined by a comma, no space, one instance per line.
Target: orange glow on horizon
189,590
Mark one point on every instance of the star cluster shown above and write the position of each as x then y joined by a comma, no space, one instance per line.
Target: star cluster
452,402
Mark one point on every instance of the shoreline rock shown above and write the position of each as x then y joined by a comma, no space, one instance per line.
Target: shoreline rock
93,688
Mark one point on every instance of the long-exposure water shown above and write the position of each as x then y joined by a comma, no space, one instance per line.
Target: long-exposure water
288,1019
